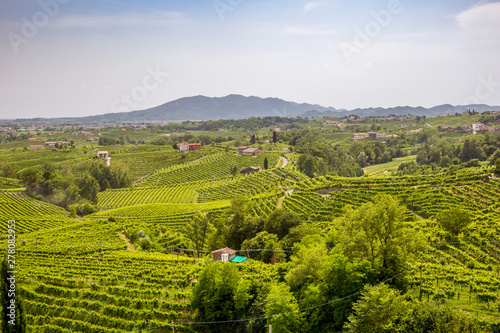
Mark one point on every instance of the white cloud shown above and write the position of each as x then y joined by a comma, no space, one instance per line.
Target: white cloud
312,5
122,20
300,31
483,18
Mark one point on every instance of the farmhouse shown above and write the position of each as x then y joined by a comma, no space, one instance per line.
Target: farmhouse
186,146
194,146
240,149
102,154
250,151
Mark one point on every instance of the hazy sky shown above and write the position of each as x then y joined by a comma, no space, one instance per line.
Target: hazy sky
76,57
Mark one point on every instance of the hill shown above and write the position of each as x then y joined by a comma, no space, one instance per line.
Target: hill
241,107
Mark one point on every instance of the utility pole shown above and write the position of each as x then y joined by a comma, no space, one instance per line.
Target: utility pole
270,328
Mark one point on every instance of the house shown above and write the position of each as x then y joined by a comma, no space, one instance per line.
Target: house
55,149
465,128
360,136
416,131
330,122
102,154
240,149
372,135
85,133
50,144
287,151
194,146
494,112
183,146
477,126
277,130
96,138
408,125
251,169
447,128
250,151
36,147
226,254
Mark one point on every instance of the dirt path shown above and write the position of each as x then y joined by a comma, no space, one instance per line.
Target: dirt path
285,162
280,202
130,246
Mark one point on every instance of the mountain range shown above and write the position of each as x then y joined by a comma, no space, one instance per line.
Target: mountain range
240,107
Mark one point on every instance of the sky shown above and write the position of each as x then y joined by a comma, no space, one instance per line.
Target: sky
70,58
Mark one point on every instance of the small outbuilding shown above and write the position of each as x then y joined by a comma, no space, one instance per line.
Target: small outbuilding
226,254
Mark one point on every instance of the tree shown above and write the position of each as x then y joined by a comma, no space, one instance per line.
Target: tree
266,164
454,220
377,232
282,310
497,166
11,303
380,309
472,149
89,189
280,222
275,139
306,265
198,230
263,240
174,146
213,296
307,164
252,139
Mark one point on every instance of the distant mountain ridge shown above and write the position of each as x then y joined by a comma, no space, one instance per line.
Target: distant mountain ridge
241,107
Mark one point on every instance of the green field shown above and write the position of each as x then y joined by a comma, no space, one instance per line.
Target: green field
381,170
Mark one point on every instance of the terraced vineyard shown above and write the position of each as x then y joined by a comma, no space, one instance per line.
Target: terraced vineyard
209,167
117,291
84,274
30,214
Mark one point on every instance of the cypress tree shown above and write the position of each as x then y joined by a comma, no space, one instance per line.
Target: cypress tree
266,164
274,137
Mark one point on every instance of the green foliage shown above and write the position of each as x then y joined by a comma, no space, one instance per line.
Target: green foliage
213,296
454,220
263,240
280,222
380,309
282,310
377,231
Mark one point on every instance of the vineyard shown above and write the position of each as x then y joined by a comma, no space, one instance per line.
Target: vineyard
84,274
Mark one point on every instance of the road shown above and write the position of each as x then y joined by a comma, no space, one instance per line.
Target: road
285,161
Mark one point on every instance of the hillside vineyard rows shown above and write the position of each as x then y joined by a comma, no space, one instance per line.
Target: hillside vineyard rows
127,247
